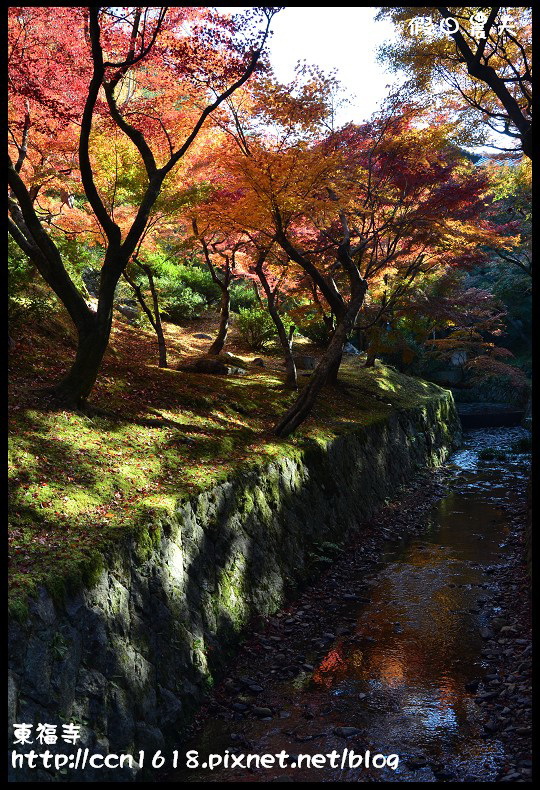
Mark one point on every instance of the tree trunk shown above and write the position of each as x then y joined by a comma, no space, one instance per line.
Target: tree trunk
93,331
303,405
370,355
156,322
291,381
162,348
333,372
73,390
370,361
219,342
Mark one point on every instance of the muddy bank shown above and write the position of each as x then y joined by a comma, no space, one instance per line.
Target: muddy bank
420,648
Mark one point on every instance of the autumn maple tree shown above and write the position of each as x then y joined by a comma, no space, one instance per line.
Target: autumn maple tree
482,55
231,226
219,253
512,191
152,74
362,212
233,246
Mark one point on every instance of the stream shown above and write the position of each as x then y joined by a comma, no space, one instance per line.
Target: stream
397,657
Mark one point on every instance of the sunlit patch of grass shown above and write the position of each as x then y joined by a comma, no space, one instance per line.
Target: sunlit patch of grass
79,483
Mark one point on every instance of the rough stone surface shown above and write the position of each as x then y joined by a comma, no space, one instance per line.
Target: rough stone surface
305,362
218,367
131,658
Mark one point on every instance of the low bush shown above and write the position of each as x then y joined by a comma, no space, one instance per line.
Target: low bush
243,296
316,331
256,327
29,298
199,280
181,304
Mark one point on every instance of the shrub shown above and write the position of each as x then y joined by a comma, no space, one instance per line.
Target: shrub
242,296
513,388
316,331
123,293
199,280
29,299
182,304
185,290
256,327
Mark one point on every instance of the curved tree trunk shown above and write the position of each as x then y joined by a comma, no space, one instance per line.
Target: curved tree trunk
219,342
291,381
155,321
301,408
73,390
162,348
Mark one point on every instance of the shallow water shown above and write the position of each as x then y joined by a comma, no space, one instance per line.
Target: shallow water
399,675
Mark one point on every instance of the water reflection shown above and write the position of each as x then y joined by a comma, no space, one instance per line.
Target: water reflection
399,675
424,617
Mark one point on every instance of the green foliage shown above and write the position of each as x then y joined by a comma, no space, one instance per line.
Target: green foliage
324,552
308,320
180,303
316,331
28,298
199,280
256,327
512,185
242,296
123,292
185,290
77,257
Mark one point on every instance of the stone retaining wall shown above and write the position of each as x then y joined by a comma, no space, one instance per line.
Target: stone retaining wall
131,658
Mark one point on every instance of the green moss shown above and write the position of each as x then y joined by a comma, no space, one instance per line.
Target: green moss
18,609
147,539
264,511
81,486
246,502
232,595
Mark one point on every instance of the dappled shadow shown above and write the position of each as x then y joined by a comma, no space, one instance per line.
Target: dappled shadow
162,623
203,519
154,435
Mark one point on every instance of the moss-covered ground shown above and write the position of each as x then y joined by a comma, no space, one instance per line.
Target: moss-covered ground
79,484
